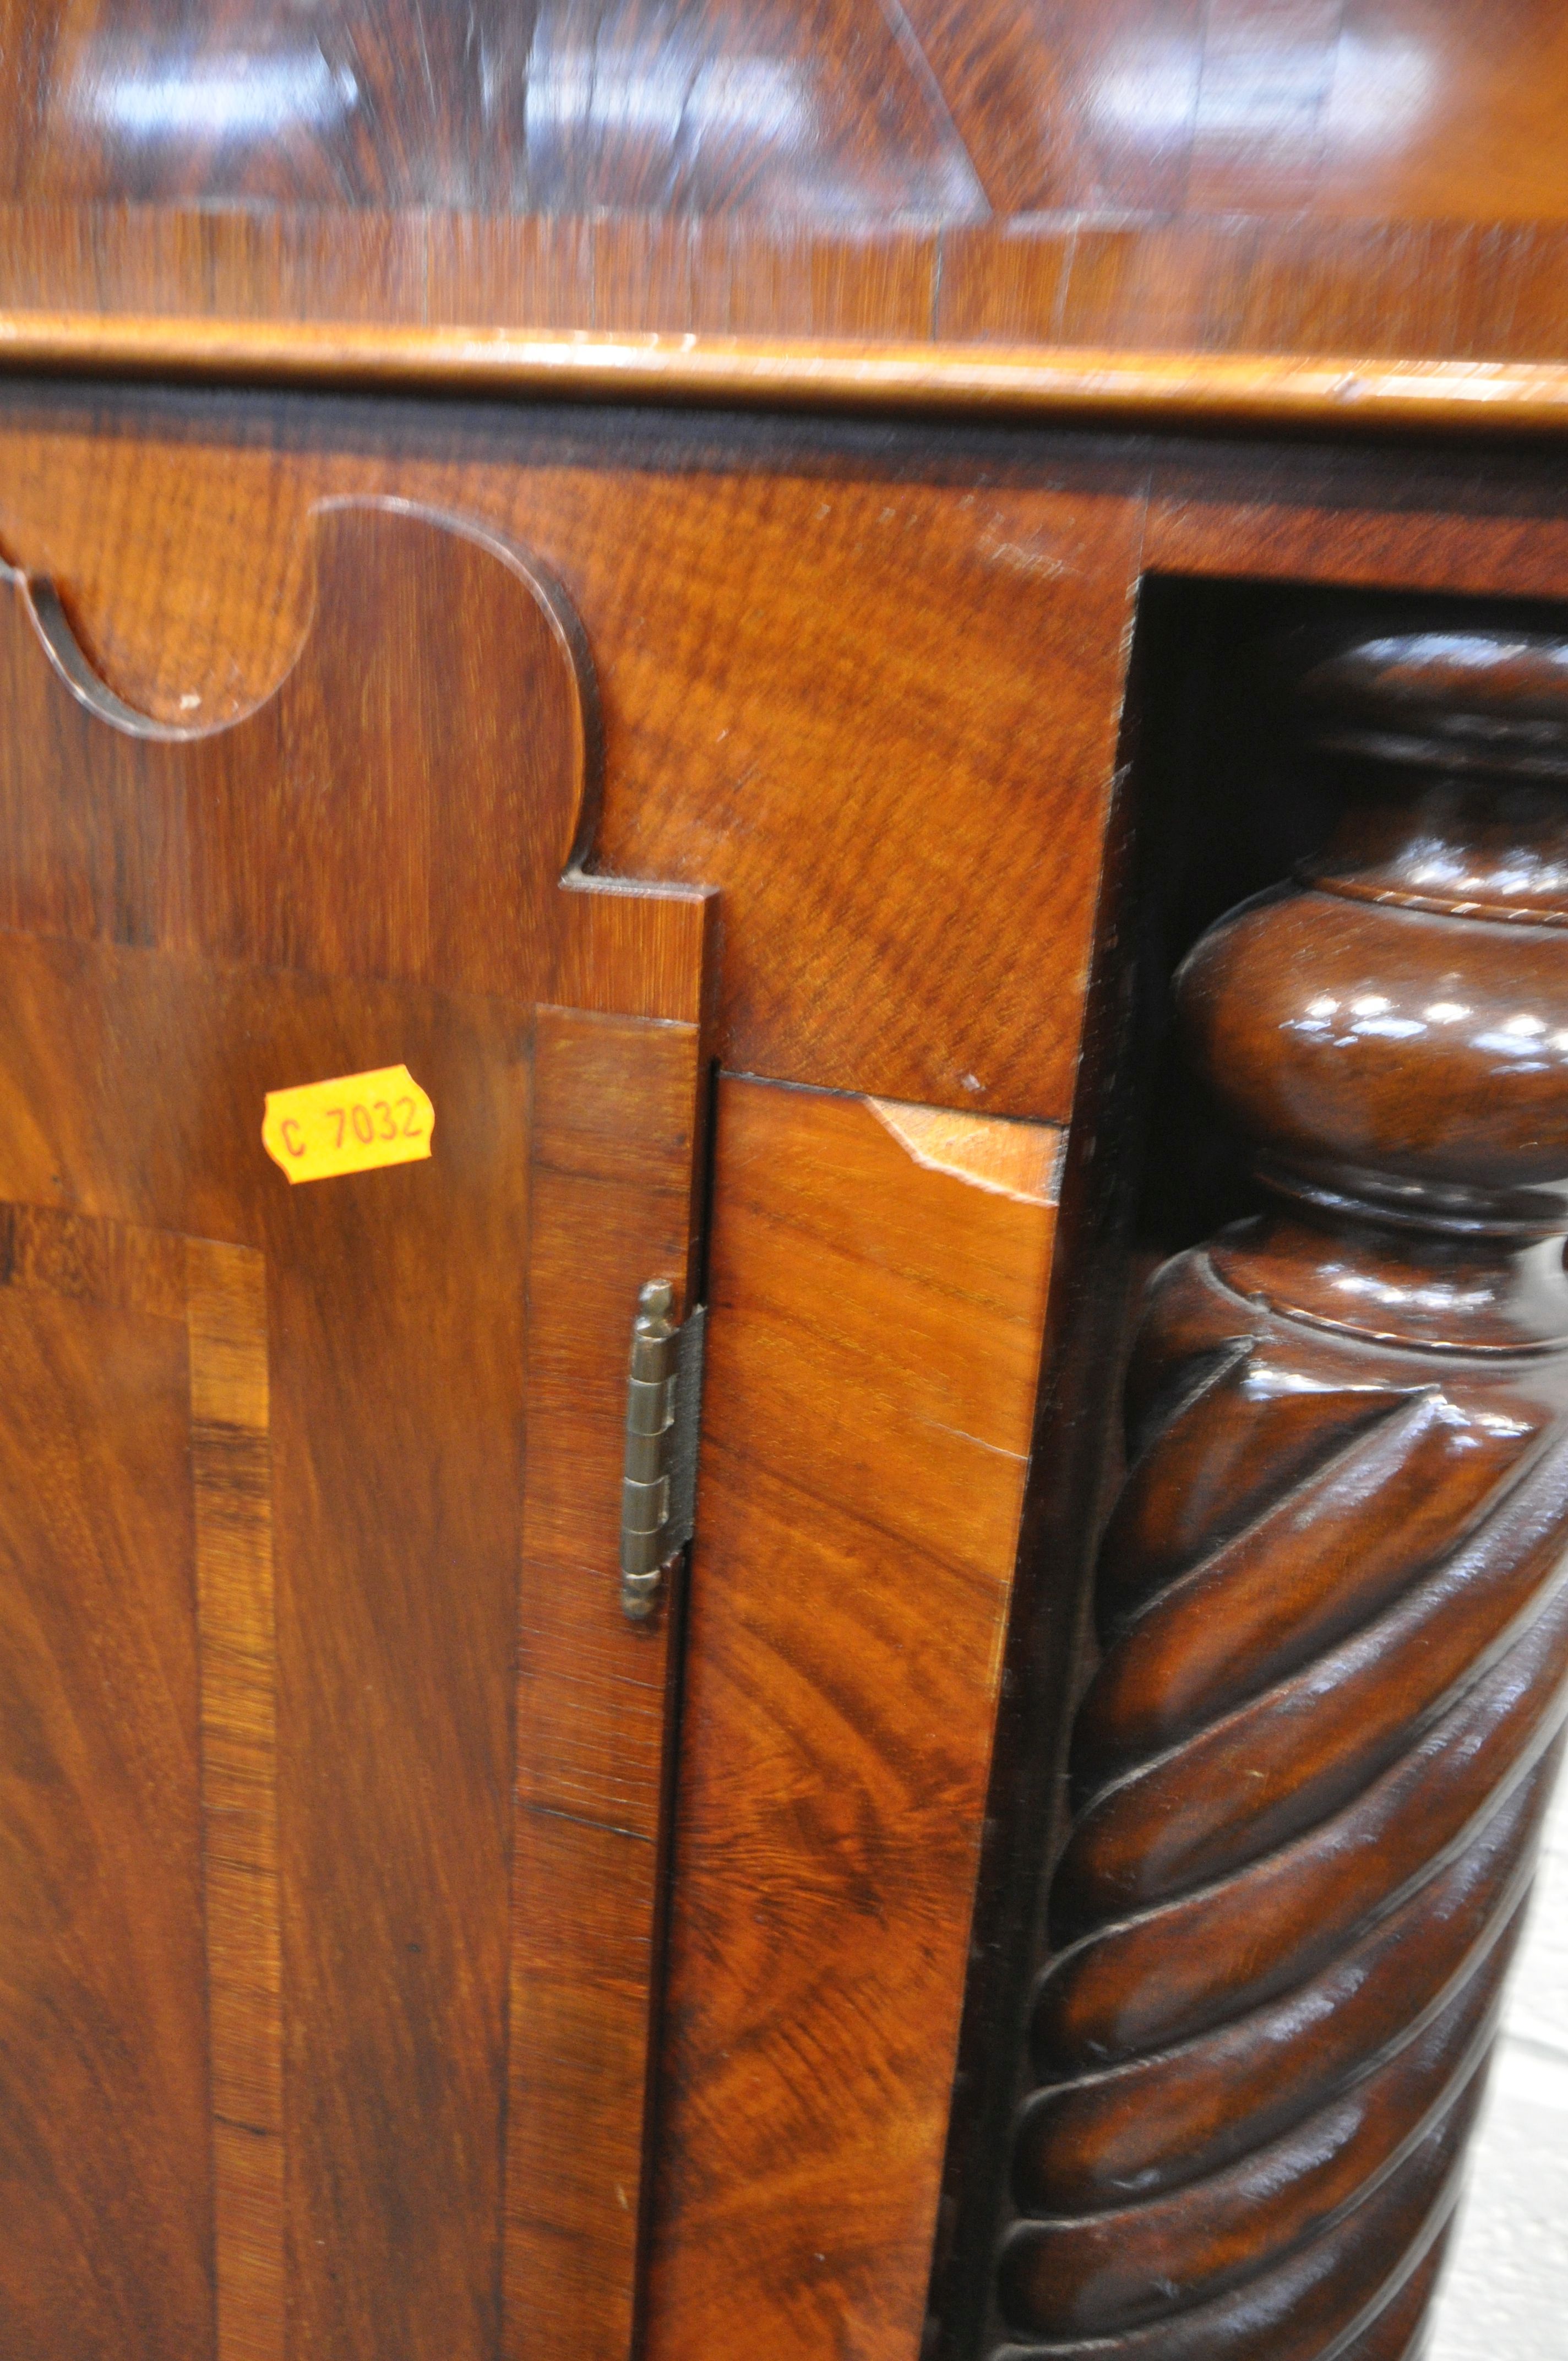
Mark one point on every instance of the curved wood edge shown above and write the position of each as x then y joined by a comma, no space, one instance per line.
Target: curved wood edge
556,932
1024,380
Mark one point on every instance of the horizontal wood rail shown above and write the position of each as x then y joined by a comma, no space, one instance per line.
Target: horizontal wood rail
1029,381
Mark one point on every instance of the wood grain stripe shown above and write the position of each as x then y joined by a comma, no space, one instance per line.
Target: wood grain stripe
230,1454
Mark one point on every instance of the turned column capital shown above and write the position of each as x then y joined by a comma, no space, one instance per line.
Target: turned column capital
1391,1030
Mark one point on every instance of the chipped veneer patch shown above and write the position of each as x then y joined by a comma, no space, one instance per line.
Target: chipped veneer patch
990,1151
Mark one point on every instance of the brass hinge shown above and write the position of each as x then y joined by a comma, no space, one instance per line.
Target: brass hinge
663,1403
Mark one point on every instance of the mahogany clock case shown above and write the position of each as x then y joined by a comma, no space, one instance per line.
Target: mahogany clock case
952,743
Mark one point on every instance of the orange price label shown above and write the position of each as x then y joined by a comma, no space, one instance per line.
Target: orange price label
352,1124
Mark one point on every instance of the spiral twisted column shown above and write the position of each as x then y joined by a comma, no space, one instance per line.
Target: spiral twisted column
1333,1595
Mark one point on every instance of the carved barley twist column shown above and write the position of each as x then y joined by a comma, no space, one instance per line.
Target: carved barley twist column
1334,1597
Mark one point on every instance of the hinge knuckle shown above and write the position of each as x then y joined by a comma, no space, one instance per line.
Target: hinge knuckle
645,1456
658,1480
645,1506
649,1406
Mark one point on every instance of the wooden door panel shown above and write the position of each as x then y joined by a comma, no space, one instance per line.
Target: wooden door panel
422,2102
878,1283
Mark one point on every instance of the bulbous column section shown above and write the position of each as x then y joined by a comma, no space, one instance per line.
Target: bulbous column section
1333,1595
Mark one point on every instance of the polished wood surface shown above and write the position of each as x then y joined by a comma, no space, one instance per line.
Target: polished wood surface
1310,1766
350,1832
324,775
774,615
834,112
811,642
868,681
877,1289
1356,390
215,873
1326,321
1378,181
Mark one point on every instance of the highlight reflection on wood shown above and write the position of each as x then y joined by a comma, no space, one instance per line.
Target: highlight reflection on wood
1247,177
1333,1595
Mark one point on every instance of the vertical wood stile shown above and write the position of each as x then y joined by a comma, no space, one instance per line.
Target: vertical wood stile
232,1476
613,1135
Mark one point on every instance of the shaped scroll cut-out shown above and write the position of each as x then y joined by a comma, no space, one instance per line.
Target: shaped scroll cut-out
1333,1594
381,1722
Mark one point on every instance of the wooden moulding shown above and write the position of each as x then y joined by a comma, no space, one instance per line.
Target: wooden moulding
1333,1595
1022,380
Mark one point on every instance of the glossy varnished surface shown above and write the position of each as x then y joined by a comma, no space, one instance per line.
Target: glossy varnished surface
928,680
824,109
236,1617
861,685
562,108
1351,324
1333,391
614,1119
1411,520
1385,178
1309,1770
